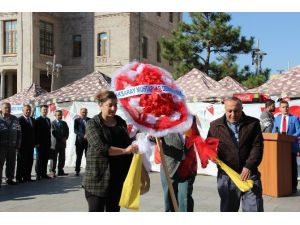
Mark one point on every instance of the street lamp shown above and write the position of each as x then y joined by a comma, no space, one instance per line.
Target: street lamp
53,70
257,57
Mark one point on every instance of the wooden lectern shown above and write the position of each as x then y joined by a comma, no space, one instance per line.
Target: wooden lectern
275,168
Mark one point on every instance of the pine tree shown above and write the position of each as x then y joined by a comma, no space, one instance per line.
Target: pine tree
208,36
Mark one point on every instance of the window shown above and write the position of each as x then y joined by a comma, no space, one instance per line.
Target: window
171,17
158,52
76,45
158,14
102,44
45,81
46,38
145,47
10,37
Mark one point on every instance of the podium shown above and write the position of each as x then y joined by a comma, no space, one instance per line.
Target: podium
275,168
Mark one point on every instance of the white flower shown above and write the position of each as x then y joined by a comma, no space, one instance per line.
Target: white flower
134,102
140,68
132,74
175,116
151,119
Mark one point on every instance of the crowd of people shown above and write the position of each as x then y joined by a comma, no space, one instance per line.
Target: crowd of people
20,136
108,148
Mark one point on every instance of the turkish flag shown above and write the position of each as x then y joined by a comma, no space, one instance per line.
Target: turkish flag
52,107
65,113
211,109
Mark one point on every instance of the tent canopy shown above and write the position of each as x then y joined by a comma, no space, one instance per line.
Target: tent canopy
200,87
83,89
285,85
232,84
25,96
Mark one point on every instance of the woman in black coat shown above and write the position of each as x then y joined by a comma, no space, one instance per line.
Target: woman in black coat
108,157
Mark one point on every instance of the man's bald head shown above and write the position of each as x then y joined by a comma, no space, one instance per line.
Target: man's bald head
233,109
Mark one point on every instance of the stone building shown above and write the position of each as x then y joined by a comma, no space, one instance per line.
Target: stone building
81,42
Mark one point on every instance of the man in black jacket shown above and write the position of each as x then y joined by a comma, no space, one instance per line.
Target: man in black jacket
81,142
60,132
43,143
10,141
25,156
241,148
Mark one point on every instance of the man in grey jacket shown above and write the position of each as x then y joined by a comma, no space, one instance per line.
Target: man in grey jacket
10,142
267,118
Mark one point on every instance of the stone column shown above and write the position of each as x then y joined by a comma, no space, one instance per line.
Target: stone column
1,39
2,85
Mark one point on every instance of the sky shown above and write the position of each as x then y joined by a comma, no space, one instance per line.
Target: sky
278,35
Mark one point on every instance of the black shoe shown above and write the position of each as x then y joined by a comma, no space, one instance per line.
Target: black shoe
294,190
19,180
11,182
46,177
62,174
77,174
29,180
38,177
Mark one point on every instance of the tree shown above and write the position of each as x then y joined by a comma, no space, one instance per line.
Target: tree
209,34
251,80
225,66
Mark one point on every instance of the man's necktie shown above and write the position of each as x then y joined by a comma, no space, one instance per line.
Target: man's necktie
47,122
29,122
284,125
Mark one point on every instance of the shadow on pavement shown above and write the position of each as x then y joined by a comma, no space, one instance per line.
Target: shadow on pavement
32,190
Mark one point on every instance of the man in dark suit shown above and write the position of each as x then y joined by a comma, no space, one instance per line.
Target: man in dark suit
43,143
25,156
81,142
288,124
60,132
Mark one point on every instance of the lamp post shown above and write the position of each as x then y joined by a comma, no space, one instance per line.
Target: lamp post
257,57
53,70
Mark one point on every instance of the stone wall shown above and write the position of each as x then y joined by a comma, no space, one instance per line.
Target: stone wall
124,31
117,26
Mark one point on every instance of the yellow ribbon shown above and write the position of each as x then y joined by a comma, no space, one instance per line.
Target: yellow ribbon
244,186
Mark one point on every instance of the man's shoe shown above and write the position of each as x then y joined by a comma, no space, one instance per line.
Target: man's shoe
62,174
46,177
77,174
294,190
19,180
11,182
29,180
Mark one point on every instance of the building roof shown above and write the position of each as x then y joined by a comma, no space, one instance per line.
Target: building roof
285,85
25,96
200,87
83,89
232,84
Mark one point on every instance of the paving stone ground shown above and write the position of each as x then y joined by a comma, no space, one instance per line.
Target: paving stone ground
64,194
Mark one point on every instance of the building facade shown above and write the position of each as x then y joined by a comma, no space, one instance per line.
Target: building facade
81,42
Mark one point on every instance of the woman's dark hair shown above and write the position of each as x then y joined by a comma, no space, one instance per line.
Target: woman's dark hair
103,95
